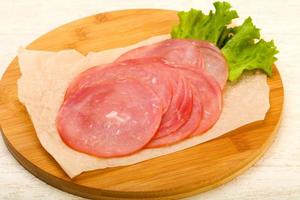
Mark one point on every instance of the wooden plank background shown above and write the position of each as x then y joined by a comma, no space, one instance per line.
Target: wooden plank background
276,176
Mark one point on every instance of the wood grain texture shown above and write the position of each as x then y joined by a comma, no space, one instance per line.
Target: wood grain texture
177,175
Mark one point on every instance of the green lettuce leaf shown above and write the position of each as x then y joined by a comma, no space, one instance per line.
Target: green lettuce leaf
226,35
195,24
241,45
243,52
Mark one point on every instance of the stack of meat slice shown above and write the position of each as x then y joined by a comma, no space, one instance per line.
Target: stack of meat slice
151,96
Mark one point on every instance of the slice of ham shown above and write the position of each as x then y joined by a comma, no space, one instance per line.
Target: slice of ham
187,129
173,51
196,54
113,118
152,72
210,95
180,108
215,62
207,105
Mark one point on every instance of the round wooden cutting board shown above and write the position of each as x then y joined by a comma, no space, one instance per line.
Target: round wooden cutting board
176,175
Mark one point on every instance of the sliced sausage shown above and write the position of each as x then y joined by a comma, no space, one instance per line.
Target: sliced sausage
113,118
186,130
196,54
173,51
215,62
152,72
180,108
210,95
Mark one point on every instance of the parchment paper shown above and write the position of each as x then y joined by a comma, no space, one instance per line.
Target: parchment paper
45,78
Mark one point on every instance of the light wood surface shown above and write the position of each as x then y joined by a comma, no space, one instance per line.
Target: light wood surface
194,170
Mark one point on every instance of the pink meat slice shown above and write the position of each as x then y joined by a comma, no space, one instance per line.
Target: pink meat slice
113,118
196,54
186,130
180,108
173,51
152,72
210,95
215,62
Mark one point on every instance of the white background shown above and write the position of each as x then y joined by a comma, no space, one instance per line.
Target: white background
275,176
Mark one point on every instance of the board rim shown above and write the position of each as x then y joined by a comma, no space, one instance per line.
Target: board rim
94,193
